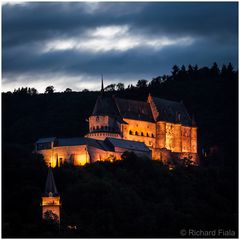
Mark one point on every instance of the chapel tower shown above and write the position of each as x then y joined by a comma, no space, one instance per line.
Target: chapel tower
51,199
105,120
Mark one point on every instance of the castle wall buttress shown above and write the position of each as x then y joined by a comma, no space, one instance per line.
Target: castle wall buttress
177,139
169,136
194,140
186,139
160,135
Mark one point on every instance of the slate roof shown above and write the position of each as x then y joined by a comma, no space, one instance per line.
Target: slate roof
131,145
50,184
132,109
107,145
105,106
61,142
98,144
70,141
139,110
46,140
168,111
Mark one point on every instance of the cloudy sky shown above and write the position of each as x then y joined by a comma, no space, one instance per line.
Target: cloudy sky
72,44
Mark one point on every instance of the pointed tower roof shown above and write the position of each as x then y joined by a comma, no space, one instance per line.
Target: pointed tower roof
105,106
50,187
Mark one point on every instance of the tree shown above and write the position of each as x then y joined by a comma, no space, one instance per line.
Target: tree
195,68
224,72
26,91
230,68
33,91
68,90
50,216
142,83
214,71
85,90
120,86
190,69
183,69
110,87
175,70
49,90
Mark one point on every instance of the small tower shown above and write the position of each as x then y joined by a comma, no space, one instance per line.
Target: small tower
51,199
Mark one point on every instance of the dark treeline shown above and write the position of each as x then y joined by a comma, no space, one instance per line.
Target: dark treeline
129,198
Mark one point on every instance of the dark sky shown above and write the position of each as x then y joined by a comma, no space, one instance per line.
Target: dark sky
72,44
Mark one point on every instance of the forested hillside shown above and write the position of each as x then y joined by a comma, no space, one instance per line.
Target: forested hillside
208,93
134,197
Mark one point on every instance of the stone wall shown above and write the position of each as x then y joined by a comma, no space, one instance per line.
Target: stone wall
97,154
103,123
140,131
56,156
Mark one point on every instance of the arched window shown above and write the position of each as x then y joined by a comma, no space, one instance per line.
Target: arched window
130,132
94,128
97,127
142,134
101,127
152,135
97,118
136,133
147,135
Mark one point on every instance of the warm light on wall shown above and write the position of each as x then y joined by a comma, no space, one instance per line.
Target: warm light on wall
80,159
46,201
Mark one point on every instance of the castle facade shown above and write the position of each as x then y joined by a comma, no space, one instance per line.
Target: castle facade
158,128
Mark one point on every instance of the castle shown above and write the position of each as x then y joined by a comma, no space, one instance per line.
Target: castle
159,129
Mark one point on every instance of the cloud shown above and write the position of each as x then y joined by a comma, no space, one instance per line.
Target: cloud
76,42
113,38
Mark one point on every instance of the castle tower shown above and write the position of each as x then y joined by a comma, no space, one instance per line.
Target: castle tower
51,199
104,119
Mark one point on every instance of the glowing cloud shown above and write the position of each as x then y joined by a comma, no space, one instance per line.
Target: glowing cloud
117,38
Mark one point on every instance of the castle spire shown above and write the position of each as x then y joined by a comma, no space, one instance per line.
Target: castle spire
50,187
102,88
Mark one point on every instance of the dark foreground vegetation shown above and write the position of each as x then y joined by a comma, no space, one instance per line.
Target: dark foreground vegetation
133,197
129,198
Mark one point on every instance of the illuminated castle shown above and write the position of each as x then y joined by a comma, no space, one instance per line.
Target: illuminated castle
159,129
